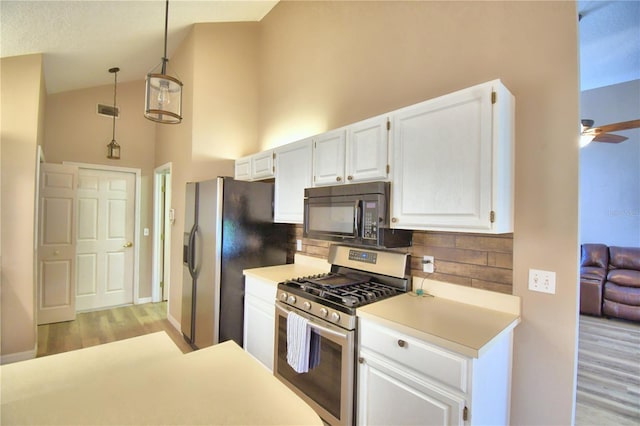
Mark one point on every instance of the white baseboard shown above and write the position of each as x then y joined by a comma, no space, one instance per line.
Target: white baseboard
19,356
174,322
142,300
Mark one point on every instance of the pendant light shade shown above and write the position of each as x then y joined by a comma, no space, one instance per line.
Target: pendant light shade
113,149
163,100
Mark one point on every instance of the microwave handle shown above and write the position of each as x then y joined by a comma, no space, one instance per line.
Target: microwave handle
356,218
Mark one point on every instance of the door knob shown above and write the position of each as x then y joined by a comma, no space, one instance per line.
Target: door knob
128,244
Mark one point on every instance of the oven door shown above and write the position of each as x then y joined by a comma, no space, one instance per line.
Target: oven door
329,387
332,218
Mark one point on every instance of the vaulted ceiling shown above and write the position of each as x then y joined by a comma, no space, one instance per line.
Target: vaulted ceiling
81,40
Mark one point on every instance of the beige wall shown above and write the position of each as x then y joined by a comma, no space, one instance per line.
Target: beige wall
75,132
218,66
226,100
21,124
326,64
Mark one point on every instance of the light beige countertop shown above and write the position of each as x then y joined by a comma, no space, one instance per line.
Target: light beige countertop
218,385
303,266
461,319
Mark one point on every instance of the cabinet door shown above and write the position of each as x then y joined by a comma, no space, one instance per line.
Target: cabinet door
243,168
259,329
262,165
367,150
293,175
388,395
328,158
442,163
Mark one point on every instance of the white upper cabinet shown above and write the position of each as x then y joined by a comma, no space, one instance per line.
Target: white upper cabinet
452,167
243,168
328,158
255,167
262,165
293,175
356,153
367,150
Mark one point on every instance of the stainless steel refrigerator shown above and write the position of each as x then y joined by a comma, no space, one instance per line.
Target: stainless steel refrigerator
228,227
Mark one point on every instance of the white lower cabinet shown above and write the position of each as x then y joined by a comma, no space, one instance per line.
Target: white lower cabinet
407,381
259,319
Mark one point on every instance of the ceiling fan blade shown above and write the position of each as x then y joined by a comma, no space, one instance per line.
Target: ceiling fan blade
609,138
616,127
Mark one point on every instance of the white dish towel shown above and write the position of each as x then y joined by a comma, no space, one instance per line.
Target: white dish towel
298,342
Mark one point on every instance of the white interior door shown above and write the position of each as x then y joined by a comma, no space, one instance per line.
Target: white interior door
105,235
56,243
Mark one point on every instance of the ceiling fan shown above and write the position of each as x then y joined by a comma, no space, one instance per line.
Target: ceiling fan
602,133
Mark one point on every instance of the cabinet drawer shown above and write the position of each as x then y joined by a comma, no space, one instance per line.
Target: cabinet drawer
263,290
429,360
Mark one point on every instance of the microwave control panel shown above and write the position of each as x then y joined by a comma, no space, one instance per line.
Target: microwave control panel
370,220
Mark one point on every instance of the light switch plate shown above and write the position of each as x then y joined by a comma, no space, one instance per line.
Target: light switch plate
299,245
542,281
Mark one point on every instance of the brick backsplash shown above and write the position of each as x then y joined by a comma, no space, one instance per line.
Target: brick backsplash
474,260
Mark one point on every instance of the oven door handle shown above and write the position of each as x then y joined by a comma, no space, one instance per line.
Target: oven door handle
315,325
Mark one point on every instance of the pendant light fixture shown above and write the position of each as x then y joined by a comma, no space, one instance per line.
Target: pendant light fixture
113,149
163,101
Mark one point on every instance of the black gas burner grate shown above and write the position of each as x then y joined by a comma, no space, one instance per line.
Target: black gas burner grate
351,295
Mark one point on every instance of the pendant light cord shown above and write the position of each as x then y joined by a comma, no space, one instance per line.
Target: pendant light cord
115,88
166,24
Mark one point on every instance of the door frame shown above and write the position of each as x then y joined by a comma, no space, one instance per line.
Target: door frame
156,292
136,221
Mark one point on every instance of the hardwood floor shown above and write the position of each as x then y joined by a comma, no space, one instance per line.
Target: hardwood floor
97,327
608,391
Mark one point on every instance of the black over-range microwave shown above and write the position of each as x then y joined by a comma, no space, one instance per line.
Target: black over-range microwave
352,213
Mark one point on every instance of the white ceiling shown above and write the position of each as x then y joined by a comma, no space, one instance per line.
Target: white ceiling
609,42
81,40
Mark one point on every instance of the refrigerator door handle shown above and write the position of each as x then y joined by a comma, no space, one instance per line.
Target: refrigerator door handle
191,252
195,259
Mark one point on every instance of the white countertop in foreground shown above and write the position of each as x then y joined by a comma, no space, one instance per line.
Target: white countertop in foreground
218,385
462,319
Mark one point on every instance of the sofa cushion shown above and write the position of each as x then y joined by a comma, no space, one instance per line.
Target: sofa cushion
624,258
596,255
624,277
622,294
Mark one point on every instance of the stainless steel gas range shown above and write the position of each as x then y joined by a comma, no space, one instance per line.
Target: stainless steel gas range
328,303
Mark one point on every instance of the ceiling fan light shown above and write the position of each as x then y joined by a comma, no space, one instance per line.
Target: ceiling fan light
585,139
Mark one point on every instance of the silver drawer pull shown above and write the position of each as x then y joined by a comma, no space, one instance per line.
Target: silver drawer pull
402,343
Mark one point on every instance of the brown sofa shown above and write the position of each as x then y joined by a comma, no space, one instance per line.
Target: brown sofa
610,281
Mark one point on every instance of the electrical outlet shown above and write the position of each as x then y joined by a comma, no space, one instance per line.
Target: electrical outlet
542,281
428,264
299,245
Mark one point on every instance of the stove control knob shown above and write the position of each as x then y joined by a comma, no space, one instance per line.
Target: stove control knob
335,317
324,312
283,297
291,300
307,305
